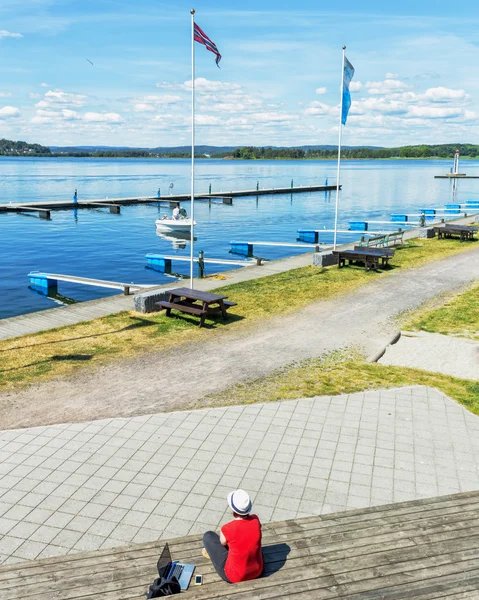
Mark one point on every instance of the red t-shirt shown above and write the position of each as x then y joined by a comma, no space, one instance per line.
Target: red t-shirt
245,559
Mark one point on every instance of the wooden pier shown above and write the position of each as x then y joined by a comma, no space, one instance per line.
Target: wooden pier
225,195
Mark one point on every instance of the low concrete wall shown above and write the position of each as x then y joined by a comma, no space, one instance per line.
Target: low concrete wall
145,302
324,259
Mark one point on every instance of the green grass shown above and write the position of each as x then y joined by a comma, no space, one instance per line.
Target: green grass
458,316
65,350
343,373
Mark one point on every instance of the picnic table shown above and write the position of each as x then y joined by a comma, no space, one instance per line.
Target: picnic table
372,258
464,232
196,302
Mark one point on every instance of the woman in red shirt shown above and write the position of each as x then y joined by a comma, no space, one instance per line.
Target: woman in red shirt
236,552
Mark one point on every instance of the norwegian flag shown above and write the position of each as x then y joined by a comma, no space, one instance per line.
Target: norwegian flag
202,38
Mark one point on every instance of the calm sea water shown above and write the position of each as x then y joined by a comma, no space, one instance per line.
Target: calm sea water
94,243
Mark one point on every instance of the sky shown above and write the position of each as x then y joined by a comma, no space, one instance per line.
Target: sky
415,79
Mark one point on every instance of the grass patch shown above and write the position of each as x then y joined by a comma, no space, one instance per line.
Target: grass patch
63,351
343,373
458,316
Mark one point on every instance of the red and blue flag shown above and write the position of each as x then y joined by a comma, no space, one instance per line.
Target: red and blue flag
201,37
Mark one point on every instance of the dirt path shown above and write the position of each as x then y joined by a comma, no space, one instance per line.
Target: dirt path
161,381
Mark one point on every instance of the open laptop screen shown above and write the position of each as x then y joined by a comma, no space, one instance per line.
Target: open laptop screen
164,561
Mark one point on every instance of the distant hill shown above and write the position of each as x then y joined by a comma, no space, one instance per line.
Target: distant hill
200,149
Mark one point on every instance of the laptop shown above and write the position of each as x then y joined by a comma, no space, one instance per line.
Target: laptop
168,568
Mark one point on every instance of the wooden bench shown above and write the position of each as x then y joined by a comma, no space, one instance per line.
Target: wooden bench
371,258
381,241
425,549
464,232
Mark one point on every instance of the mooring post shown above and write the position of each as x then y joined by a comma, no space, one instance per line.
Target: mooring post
209,189
292,184
75,197
201,264
158,194
257,185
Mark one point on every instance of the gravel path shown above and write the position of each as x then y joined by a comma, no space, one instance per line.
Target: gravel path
162,381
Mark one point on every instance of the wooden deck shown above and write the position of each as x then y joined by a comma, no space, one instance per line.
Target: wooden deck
420,550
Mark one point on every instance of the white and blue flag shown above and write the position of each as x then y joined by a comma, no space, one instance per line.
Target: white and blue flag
347,76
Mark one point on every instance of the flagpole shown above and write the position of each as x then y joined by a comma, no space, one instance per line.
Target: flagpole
339,153
192,211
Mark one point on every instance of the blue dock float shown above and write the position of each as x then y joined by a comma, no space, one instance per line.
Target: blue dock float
41,282
163,264
428,212
399,218
358,225
246,248
452,209
158,263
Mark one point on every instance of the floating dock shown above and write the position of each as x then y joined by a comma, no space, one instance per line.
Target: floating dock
456,176
246,248
47,283
225,195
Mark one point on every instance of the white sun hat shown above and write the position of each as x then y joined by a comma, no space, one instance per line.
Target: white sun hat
240,502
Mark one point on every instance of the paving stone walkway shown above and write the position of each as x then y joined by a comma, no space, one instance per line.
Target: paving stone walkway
76,487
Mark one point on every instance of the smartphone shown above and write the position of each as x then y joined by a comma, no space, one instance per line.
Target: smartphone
199,580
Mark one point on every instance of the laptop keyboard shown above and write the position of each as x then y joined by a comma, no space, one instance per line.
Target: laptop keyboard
177,571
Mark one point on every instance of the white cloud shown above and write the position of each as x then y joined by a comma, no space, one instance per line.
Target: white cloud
9,112
391,76
385,87
8,34
355,86
434,112
206,120
319,108
321,90
61,97
95,117
44,85
442,94
202,85
152,103
5,94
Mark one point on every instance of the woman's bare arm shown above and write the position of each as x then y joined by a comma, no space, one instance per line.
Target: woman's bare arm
223,539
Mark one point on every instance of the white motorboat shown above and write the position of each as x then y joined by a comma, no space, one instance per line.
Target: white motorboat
174,224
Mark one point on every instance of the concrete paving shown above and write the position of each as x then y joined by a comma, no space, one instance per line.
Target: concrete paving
156,381
445,354
77,487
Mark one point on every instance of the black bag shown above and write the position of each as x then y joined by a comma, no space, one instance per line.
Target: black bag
164,587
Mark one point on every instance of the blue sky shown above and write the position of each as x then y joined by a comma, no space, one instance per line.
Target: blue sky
416,72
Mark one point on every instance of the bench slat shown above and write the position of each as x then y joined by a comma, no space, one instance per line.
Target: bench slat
187,308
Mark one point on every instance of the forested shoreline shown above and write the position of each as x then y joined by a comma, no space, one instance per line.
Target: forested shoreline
422,151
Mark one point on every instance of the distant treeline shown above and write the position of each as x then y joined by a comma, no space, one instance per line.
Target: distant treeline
11,148
422,151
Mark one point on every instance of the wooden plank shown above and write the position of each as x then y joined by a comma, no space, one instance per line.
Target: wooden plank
303,555
352,520
325,560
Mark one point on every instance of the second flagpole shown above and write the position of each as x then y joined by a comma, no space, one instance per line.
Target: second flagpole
339,152
192,210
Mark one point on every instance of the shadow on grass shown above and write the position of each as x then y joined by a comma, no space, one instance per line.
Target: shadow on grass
133,326
210,323
56,357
